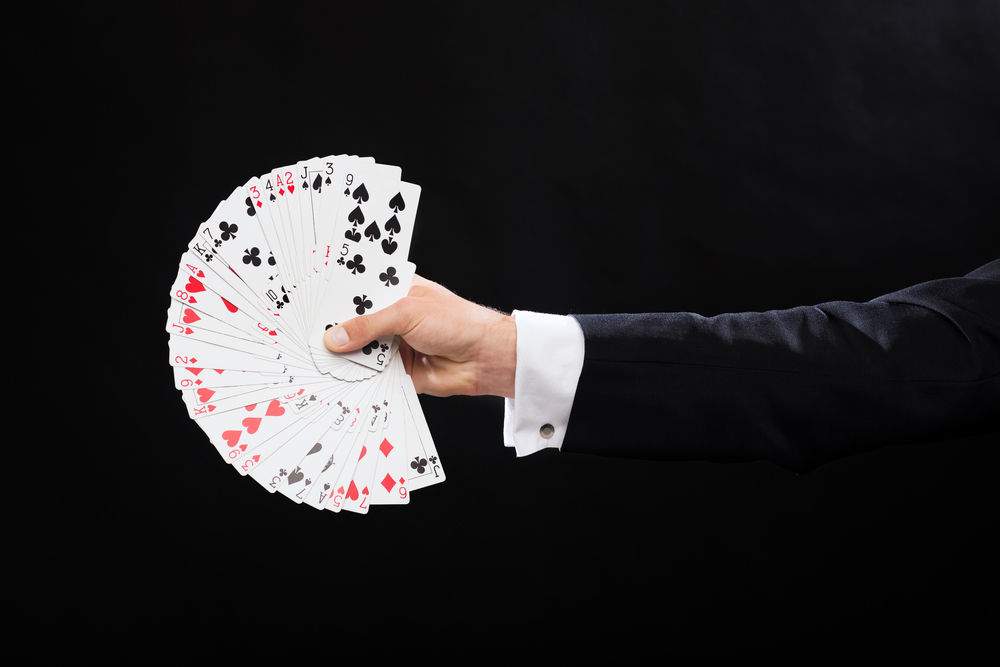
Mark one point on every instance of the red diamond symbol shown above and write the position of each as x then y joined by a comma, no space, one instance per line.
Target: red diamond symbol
197,381
388,482
193,360
385,447
260,205
281,192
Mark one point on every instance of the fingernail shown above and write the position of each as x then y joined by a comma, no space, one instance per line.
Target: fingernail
336,336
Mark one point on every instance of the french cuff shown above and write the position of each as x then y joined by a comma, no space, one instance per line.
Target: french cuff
549,361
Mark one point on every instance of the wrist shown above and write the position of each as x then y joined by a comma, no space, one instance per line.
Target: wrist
498,358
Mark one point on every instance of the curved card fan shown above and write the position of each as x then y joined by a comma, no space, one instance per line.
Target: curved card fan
284,257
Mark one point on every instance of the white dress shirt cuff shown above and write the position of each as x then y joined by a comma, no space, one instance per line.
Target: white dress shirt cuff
549,361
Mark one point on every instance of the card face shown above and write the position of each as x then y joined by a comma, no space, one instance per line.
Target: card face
287,254
372,238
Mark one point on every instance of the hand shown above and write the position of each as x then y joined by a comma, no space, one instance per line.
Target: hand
450,346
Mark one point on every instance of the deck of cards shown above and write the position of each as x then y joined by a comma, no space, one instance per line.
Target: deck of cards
284,257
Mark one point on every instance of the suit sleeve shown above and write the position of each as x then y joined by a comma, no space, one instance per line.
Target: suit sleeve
796,387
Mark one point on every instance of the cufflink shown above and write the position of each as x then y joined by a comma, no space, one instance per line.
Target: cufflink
546,431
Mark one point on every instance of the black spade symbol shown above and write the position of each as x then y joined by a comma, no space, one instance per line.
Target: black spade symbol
356,217
396,203
360,194
392,225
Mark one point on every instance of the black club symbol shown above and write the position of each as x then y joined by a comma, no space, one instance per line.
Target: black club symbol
271,261
217,242
249,203
284,296
384,347
418,464
356,266
370,347
363,303
389,277
252,256
228,232
341,261
208,257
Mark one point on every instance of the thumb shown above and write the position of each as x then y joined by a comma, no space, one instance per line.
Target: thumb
358,332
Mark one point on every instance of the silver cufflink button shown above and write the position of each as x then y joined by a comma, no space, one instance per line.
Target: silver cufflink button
546,431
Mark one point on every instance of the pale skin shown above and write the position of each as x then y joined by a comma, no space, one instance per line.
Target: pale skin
449,346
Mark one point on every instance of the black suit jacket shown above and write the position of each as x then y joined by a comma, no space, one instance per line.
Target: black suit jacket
797,387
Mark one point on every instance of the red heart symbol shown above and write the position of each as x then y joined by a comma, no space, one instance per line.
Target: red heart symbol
291,189
192,300
205,394
200,274
189,316
188,331
352,491
194,285
252,424
229,306
272,333
274,409
231,437
364,450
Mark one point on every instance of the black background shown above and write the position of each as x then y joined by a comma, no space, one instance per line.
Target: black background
574,158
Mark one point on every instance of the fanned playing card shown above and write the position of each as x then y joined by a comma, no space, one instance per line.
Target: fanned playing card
285,256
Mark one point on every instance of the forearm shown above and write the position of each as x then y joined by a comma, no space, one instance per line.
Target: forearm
796,387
